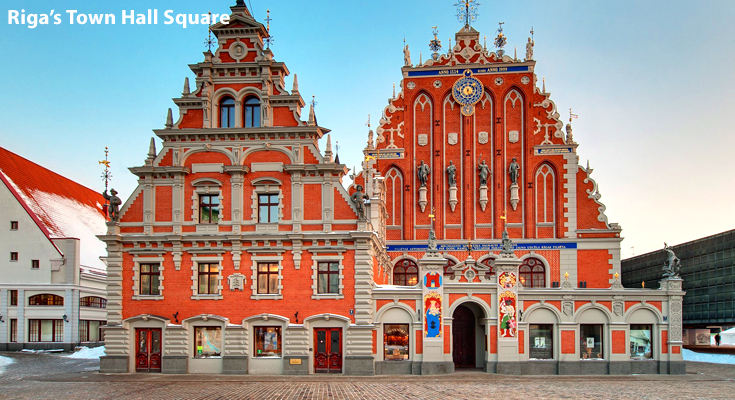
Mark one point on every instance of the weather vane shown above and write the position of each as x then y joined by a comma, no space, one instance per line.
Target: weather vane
500,40
269,39
106,175
209,42
313,101
466,11
572,116
368,122
435,44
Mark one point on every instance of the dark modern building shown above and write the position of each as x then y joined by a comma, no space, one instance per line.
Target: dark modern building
708,271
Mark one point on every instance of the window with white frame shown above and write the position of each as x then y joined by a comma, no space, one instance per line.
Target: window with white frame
206,277
148,278
267,276
327,276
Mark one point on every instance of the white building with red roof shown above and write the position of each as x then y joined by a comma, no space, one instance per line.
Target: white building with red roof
52,279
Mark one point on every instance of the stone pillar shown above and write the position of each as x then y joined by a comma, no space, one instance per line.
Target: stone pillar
22,336
4,329
431,273
507,271
673,286
117,342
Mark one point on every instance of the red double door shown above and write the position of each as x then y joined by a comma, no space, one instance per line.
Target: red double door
148,353
328,350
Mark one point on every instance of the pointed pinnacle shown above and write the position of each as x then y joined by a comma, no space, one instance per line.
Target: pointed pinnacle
152,149
186,91
295,88
169,119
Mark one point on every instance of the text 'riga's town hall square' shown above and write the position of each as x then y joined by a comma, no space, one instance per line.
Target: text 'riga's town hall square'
468,236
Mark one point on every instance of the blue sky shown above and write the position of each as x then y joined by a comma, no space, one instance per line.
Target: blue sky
651,81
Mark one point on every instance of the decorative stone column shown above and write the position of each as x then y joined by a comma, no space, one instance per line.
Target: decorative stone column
514,198
673,286
506,267
431,273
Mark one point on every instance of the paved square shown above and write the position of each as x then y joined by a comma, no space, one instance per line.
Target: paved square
43,376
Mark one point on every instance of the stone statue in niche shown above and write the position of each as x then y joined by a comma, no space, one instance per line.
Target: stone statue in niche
672,264
114,208
452,174
484,172
513,171
423,172
359,199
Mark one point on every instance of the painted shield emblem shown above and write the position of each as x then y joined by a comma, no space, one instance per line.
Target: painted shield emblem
452,138
482,137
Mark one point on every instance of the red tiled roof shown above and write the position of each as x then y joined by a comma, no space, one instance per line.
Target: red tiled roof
61,207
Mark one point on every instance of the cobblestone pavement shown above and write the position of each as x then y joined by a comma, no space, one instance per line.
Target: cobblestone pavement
42,376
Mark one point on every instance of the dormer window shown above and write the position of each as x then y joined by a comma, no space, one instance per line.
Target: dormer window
251,112
227,112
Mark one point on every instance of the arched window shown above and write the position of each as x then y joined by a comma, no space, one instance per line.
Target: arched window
405,273
533,273
448,268
227,112
252,112
45,300
93,301
490,263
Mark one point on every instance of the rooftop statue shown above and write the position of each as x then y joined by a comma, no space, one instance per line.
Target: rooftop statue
672,264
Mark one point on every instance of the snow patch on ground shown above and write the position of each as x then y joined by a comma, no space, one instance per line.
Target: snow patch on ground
89,353
4,361
708,358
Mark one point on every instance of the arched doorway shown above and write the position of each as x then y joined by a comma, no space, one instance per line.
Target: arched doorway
463,338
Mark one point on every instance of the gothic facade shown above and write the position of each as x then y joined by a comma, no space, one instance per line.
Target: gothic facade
471,237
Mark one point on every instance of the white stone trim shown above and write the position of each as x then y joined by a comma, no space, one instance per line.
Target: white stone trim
136,277
195,260
254,277
571,166
315,276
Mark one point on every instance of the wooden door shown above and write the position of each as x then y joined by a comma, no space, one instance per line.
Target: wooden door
463,338
148,353
328,350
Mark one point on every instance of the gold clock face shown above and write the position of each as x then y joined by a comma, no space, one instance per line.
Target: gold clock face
468,90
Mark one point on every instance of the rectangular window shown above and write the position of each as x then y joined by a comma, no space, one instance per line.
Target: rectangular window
13,225
267,341
267,278
540,342
208,341
395,339
89,331
591,346
13,297
150,279
267,208
35,264
13,330
328,278
641,342
208,278
208,208
46,330
13,256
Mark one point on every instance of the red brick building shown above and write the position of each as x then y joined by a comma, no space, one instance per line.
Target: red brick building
241,251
